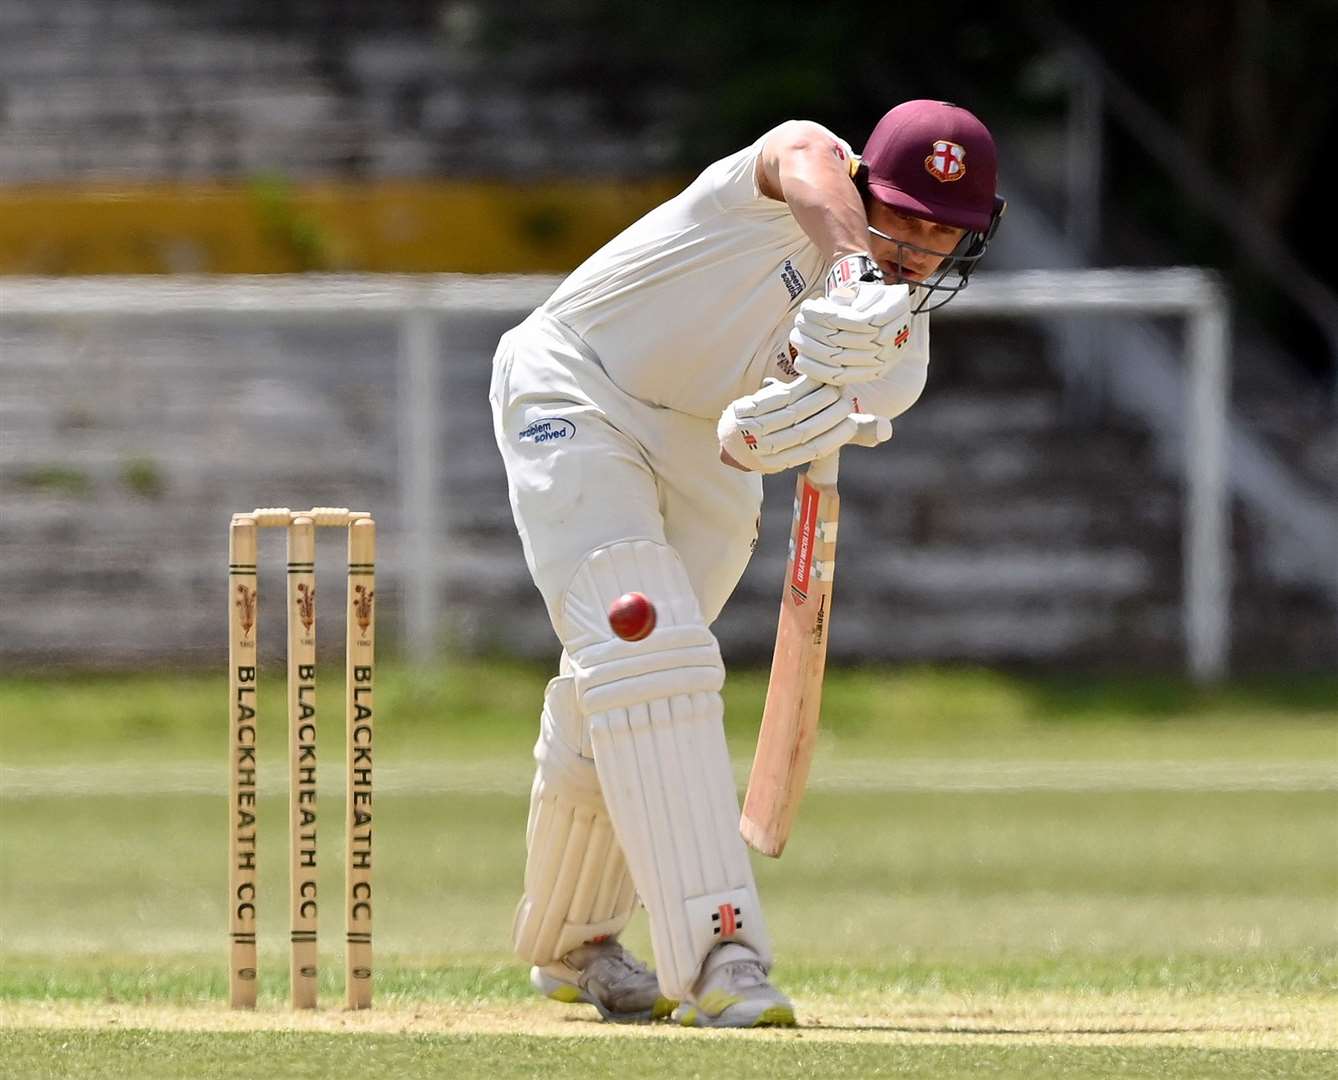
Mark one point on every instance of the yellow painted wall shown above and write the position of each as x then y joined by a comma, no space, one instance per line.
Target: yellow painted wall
273,227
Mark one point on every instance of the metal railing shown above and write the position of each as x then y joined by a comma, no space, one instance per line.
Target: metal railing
418,306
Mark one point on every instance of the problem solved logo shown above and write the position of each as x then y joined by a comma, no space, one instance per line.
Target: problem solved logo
548,429
792,279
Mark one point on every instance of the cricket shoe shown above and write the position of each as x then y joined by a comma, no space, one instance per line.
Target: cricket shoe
732,991
607,976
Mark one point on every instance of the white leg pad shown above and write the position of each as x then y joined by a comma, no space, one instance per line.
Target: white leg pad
656,729
577,887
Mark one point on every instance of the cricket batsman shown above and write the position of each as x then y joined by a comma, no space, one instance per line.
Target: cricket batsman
773,312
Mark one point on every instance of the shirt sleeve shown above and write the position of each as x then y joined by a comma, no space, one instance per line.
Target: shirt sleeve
732,181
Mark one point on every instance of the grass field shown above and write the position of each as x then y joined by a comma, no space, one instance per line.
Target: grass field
992,876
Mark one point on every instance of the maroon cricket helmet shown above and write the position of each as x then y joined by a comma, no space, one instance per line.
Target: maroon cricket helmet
934,160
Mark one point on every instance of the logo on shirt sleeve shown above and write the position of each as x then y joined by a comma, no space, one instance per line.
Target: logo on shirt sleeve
547,429
792,279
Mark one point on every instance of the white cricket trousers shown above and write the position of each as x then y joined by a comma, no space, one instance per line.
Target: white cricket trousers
589,465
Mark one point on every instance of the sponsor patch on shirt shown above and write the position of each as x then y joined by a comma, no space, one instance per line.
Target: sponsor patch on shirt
792,279
548,429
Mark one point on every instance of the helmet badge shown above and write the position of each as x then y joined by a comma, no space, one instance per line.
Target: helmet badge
947,163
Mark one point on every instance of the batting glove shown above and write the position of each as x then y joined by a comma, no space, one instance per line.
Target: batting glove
846,336
788,424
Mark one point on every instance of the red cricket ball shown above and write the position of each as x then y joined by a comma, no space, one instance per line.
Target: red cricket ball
632,616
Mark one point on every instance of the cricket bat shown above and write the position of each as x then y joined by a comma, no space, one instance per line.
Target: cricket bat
789,729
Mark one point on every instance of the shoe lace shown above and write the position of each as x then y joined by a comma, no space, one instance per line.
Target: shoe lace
742,974
613,967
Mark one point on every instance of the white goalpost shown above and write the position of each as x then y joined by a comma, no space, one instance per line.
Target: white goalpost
417,306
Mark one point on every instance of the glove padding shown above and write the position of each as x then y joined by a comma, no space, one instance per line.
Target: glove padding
789,424
842,341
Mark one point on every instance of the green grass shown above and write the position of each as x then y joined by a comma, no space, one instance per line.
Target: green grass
482,709
153,1055
1051,911
462,979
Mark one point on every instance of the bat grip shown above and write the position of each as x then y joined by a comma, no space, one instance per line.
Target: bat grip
823,470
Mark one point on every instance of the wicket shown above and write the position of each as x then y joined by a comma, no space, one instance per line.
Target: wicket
243,667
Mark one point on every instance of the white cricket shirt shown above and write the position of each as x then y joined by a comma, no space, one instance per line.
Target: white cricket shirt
692,306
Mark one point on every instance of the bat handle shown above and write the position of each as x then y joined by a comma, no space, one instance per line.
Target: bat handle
823,470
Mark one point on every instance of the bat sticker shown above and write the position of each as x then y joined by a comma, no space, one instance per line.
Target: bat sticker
806,531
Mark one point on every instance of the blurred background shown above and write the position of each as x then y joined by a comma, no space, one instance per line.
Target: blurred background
1029,512
259,252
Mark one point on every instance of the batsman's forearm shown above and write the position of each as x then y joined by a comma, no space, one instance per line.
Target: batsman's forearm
818,189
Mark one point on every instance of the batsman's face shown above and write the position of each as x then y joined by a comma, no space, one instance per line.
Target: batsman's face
908,248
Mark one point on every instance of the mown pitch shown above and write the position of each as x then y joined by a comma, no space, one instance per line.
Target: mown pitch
991,877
